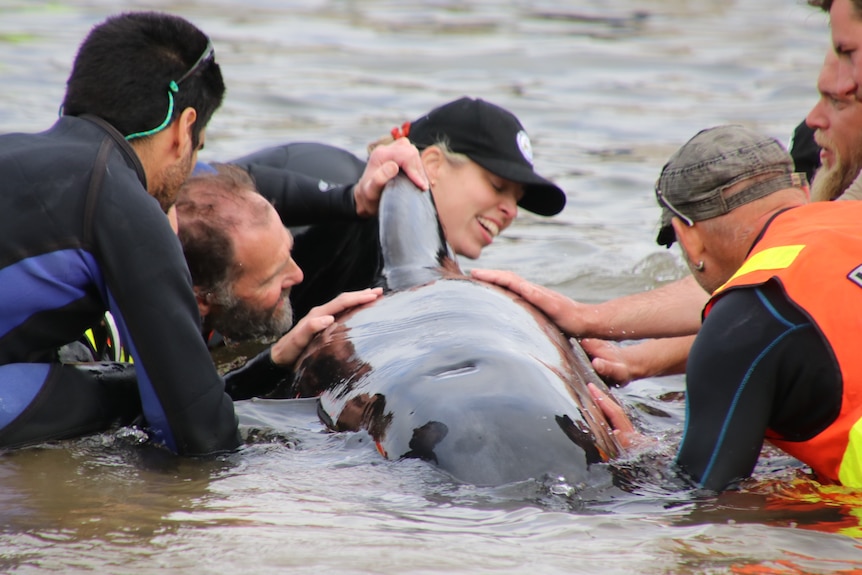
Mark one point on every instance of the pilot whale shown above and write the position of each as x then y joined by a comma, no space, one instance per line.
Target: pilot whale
451,370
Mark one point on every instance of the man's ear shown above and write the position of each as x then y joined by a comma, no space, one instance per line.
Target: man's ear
690,239
183,131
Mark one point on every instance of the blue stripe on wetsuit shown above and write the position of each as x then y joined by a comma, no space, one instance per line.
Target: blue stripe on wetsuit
20,383
44,282
203,168
153,410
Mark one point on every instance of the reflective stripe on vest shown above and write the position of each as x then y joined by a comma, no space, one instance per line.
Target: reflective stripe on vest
850,472
776,258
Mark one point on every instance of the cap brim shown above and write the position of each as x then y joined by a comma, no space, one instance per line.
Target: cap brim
541,196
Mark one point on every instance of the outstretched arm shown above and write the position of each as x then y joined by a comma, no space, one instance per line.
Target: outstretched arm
669,311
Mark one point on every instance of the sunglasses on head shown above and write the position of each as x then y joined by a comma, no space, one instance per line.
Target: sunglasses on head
664,202
207,56
174,87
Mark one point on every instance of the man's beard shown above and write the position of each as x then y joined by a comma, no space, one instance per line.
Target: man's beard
168,188
831,181
236,319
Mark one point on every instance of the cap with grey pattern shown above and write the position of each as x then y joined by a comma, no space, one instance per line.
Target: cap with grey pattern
692,183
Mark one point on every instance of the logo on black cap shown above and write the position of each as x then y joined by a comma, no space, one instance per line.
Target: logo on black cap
525,146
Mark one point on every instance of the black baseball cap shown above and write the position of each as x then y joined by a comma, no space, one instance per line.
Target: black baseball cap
493,138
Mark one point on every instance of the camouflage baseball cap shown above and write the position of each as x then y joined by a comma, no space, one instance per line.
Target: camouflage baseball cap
692,183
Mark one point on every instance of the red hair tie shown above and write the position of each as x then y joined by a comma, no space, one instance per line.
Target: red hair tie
400,132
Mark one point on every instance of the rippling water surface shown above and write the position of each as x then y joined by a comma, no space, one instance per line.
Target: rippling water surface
607,90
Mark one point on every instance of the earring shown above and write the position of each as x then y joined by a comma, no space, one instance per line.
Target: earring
699,267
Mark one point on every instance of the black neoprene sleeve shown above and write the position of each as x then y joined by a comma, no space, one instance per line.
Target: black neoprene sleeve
256,378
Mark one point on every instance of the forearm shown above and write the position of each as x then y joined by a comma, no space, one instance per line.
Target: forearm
307,182
669,311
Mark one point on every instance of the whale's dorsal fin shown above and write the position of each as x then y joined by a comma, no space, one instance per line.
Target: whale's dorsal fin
412,243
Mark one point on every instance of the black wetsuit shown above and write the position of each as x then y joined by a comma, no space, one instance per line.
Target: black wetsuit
82,236
311,187
805,151
753,366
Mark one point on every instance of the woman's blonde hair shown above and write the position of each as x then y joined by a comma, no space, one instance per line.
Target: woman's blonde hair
453,158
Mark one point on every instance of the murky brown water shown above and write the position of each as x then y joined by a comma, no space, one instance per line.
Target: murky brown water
607,92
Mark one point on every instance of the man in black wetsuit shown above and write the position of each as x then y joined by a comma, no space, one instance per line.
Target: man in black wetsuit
85,231
239,255
311,187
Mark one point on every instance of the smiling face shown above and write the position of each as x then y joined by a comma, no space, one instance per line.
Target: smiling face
837,121
474,204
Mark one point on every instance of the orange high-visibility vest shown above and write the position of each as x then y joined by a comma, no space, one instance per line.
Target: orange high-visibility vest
815,252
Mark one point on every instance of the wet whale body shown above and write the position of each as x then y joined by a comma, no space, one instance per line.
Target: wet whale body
451,370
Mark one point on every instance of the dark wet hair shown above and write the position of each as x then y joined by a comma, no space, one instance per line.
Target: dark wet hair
826,5
125,66
210,207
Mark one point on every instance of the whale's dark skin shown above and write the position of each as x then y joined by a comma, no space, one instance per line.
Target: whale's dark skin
451,370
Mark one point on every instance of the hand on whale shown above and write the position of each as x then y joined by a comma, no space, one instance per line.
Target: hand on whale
625,433
384,163
288,348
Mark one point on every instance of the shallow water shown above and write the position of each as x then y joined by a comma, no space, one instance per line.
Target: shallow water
607,91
